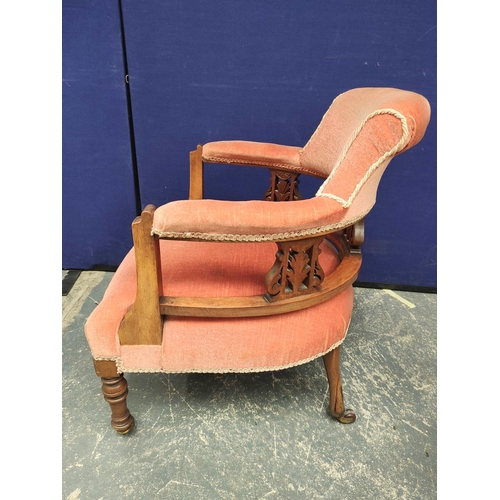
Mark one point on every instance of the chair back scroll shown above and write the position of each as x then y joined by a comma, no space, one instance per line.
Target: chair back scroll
358,136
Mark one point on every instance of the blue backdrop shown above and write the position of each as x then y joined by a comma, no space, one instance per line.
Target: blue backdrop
232,69
97,175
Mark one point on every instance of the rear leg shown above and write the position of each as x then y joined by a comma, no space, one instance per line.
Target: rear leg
336,407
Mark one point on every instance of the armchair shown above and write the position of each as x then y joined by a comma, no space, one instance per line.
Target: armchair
247,286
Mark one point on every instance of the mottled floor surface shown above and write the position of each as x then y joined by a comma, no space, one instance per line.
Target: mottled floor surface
266,435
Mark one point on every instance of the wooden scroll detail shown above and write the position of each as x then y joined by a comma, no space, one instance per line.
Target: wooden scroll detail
143,323
257,305
196,174
336,407
297,270
284,186
355,235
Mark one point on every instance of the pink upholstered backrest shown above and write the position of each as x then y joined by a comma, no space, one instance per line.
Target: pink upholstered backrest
358,136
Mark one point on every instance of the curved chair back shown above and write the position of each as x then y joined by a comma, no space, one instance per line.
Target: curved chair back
358,136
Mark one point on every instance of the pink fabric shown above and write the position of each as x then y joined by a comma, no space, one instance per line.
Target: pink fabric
347,113
365,151
357,137
359,134
250,220
217,344
252,153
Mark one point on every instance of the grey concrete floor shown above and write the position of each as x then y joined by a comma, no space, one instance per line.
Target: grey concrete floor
265,435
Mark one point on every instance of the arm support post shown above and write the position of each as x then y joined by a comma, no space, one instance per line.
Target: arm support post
196,174
143,323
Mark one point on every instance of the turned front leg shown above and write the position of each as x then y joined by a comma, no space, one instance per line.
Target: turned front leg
336,407
115,391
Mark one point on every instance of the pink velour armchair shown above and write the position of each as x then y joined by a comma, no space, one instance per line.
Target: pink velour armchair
247,286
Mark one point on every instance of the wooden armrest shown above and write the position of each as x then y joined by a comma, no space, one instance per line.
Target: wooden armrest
251,221
248,153
295,281
258,154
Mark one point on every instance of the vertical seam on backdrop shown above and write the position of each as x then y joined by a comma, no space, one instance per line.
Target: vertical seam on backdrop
137,190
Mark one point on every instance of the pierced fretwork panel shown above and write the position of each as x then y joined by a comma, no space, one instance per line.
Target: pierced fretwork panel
297,270
284,187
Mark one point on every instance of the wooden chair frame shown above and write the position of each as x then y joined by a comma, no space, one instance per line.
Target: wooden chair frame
143,323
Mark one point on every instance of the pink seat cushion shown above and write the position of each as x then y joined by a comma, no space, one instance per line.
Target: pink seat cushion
218,344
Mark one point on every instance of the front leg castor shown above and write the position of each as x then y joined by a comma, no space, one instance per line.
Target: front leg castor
346,417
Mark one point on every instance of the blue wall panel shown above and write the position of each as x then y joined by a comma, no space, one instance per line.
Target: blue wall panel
267,71
98,188
263,71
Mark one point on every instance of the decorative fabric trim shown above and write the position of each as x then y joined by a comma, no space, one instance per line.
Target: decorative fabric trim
121,369
105,358
333,197
255,238
237,161
401,143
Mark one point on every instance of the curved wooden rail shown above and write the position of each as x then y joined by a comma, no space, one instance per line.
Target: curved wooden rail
238,307
142,324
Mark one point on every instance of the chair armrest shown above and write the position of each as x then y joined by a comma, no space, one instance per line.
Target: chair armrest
255,221
142,324
258,154
273,156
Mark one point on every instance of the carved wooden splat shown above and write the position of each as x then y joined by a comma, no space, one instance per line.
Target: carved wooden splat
296,271
284,187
